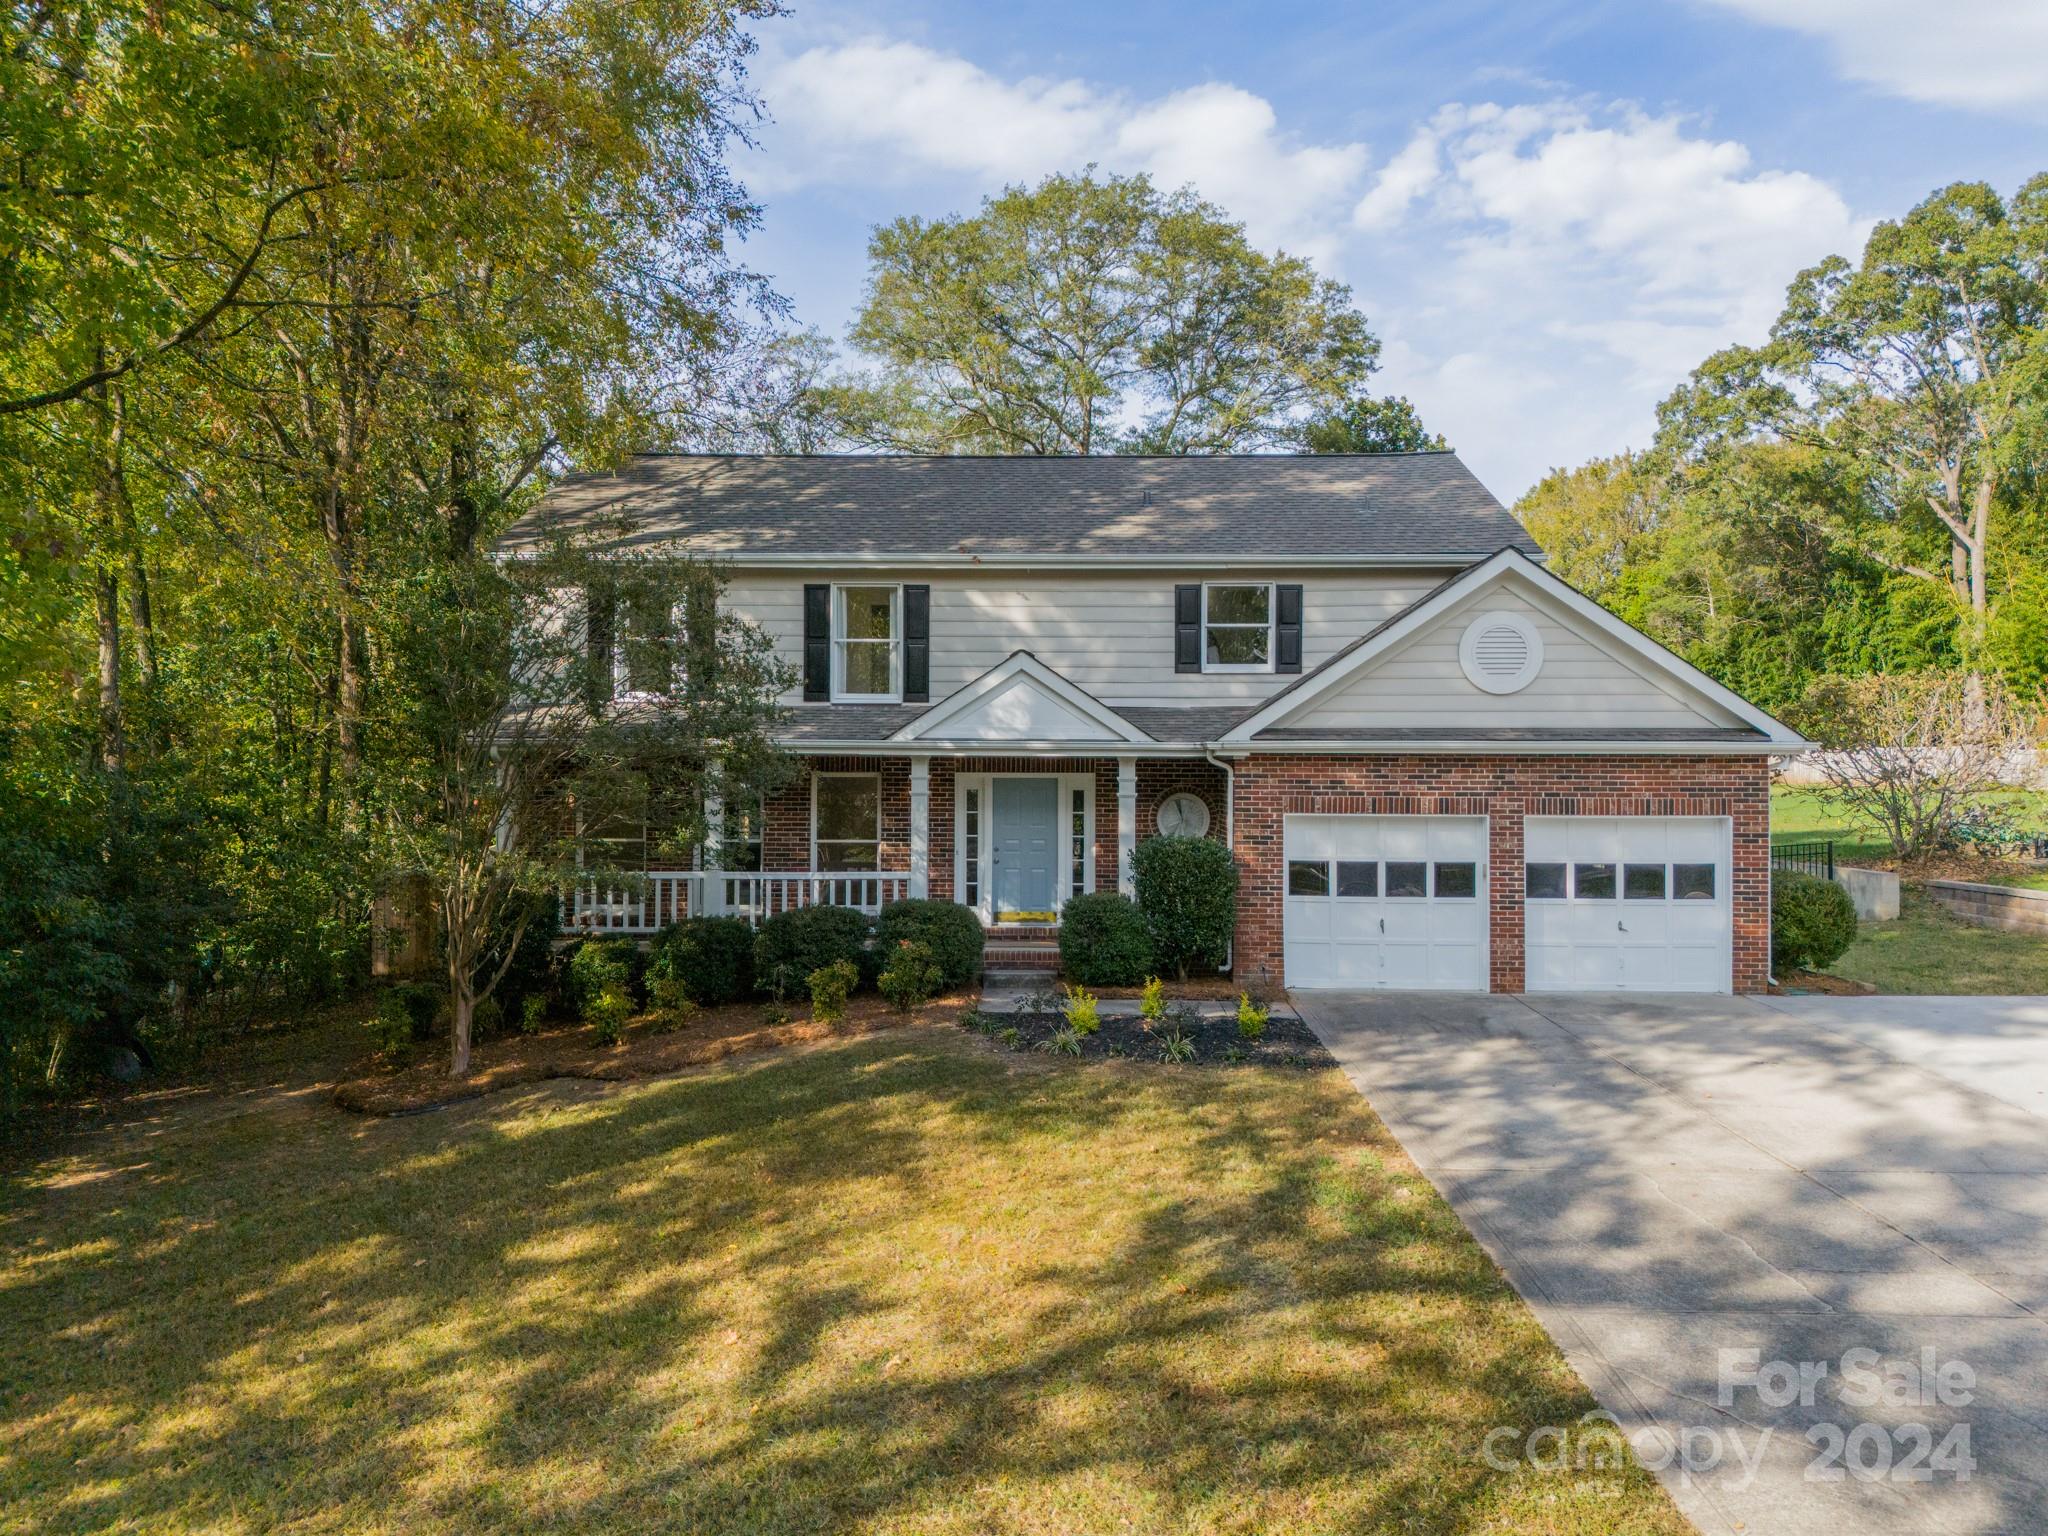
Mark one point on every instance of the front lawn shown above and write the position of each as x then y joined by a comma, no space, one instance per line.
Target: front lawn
904,1283
1927,951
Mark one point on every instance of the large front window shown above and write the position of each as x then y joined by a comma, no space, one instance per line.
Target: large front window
867,642
1237,628
848,820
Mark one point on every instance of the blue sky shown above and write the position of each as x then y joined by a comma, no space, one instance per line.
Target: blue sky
1548,211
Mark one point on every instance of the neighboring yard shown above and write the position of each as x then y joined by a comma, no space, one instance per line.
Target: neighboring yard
904,1283
1812,815
1926,950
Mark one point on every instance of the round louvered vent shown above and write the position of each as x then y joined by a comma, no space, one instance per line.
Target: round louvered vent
1501,652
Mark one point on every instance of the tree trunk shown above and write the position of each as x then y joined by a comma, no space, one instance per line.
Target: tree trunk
464,993
107,604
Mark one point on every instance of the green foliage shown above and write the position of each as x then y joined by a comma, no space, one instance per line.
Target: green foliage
1176,1045
670,1002
526,929
1064,1041
1104,941
533,1013
487,1018
791,945
598,965
607,1012
1083,1014
711,957
912,976
831,985
1372,424
1090,314
405,1017
1010,1035
1187,894
1251,1018
1813,922
952,932
1152,1002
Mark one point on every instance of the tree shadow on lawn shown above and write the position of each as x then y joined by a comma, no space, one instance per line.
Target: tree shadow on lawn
905,1282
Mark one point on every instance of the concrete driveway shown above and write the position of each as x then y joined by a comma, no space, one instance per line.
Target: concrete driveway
1691,1191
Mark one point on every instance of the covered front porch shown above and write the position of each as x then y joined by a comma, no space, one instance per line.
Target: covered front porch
1014,838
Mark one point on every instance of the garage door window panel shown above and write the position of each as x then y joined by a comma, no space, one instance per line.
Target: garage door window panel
1692,882
1456,879
1642,882
1407,880
1360,881
1593,882
1543,882
1308,877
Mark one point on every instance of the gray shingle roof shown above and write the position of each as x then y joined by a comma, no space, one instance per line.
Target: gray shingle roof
1402,506
1366,734
844,722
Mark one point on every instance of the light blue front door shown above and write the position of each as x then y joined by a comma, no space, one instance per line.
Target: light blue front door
1026,828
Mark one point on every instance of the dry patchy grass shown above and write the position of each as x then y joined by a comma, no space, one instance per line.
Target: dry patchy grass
905,1283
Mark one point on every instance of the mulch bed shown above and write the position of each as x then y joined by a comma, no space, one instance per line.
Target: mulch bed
1819,981
1287,1042
646,1051
1208,989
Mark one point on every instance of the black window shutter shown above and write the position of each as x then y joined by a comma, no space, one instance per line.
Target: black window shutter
599,621
817,643
1187,628
700,634
1287,629
917,644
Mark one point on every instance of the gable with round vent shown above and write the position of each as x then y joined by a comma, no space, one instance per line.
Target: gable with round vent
1501,652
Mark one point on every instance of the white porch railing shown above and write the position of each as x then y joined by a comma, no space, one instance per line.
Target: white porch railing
668,896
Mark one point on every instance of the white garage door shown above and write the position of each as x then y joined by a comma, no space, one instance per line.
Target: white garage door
1627,903
1386,901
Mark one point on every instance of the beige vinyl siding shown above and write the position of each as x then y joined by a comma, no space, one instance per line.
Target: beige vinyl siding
1111,634
1585,680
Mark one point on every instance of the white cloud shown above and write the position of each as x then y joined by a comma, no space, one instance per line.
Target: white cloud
1959,53
1401,180
892,112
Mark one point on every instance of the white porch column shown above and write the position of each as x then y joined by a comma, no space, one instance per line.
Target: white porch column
1126,823
920,828
709,887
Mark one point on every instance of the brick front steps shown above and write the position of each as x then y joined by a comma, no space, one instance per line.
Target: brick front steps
1023,947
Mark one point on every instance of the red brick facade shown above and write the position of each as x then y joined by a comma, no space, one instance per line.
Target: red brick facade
1503,789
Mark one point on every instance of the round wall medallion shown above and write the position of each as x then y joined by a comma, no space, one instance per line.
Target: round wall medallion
1183,815
1501,652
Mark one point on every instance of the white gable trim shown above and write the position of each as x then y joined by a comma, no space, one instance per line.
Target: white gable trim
1639,647
1040,698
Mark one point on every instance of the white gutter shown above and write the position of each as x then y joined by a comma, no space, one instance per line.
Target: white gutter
741,559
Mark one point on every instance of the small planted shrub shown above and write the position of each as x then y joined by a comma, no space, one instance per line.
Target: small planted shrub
912,975
1010,1035
405,1016
774,1014
487,1019
1176,1045
533,1013
671,1002
1251,1018
711,958
793,944
1103,941
952,932
598,964
1084,1016
1064,1041
1187,893
1812,922
607,1012
831,985
1152,1001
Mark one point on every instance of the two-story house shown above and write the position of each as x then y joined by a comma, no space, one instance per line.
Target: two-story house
1437,765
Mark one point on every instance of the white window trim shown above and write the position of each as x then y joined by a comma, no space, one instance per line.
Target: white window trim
1272,629
840,642
622,691
984,908
864,774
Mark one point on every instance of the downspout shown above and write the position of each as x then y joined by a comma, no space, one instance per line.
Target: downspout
1229,826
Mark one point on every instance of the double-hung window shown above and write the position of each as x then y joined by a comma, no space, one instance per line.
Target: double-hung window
847,820
1237,628
647,651
867,643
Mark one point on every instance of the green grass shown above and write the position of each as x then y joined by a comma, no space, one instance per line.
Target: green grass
905,1284
1814,815
1928,951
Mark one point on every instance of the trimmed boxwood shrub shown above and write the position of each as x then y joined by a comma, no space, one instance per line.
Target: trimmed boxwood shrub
712,957
792,944
596,964
1812,922
1103,942
1187,891
952,931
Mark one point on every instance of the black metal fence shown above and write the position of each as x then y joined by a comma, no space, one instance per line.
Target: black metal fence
1807,858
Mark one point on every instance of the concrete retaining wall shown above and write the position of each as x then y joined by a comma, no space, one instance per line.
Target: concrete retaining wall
1994,906
1875,891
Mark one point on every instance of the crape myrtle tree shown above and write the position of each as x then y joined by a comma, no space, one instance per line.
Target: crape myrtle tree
522,726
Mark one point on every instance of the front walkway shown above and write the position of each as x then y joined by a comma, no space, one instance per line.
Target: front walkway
1687,1188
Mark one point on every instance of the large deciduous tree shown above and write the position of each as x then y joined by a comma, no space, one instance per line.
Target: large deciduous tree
1094,314
1372,424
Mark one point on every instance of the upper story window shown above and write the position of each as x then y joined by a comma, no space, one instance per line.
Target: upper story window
1237,628
647,654
867,643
